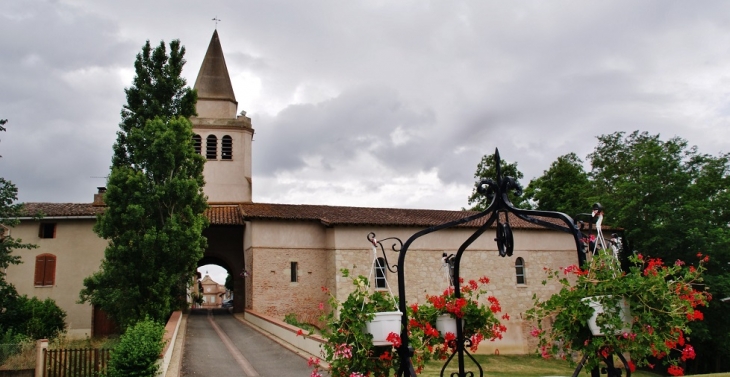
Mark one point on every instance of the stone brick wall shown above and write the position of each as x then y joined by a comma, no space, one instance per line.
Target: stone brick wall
272,293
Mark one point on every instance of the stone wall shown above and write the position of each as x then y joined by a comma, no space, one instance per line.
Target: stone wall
346,247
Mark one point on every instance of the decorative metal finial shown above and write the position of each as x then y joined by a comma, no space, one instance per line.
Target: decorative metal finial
216,19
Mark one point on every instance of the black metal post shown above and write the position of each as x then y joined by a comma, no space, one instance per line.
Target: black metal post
498,190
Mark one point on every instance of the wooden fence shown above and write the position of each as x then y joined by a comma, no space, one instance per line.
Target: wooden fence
87,362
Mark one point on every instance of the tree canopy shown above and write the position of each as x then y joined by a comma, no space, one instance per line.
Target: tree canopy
155,203
564,187
672,202
486,169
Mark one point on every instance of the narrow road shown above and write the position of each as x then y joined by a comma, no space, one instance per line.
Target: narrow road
217,344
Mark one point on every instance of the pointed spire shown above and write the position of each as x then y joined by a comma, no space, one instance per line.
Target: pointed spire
213,82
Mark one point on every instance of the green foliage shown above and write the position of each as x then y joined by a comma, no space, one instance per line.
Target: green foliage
349,348
292,319
672,198
11,343
35,318
564,187
486,169
138,349
154,219
662,302
229,282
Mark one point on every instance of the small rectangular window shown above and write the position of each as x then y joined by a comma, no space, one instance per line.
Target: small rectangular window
47,230
294,272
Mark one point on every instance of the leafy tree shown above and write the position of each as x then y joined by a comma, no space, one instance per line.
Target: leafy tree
487,169
154,220
564,187
673,203
229,282
9,213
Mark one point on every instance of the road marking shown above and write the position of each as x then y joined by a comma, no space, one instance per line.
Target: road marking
240,359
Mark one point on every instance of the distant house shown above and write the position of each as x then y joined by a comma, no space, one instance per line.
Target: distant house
281,255
213,293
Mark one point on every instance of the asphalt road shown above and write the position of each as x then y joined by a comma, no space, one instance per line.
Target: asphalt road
217,344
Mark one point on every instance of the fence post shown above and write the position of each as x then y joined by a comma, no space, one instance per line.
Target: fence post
41,345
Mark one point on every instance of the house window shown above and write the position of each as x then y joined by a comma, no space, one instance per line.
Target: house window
227,148
47,230
45,270
380,281
197,143
294,272
211,147
520,270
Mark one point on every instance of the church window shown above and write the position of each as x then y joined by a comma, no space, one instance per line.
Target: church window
380,281
520,270
294,272
47,230
211,147
45,270
197,143
227,148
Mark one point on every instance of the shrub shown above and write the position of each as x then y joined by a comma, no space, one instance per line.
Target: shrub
35,318
138,350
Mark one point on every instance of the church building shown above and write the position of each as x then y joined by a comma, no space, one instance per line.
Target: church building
281,255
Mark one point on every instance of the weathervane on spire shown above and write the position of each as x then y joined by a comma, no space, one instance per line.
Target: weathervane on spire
216,19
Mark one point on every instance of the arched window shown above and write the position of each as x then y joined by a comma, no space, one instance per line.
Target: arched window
45,270
211,147
520,270
380,274
227,148
197,143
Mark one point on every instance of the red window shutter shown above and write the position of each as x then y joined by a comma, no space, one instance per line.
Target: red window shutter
40,266
50,273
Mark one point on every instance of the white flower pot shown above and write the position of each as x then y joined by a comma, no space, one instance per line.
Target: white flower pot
383,324
595,303
446,323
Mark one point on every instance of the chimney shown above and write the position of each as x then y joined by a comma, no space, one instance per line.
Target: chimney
99,197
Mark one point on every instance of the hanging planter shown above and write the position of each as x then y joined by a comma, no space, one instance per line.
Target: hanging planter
382,325
595,303
445,323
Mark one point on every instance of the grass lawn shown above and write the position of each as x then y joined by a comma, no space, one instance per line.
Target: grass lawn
515,366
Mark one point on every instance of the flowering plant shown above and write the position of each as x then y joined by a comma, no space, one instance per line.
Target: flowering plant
660,299
479,320
349,349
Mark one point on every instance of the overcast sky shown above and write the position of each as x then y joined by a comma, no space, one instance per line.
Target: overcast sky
368,103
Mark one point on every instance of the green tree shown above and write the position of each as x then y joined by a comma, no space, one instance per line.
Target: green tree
673,203
486,169
229,282
9,213
154,217
564,187
138,350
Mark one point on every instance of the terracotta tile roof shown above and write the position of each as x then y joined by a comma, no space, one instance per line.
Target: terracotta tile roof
337,215
224,215
328,215
61,209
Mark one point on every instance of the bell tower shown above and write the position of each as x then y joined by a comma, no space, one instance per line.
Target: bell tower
220,135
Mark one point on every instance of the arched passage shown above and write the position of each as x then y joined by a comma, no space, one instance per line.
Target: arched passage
225,249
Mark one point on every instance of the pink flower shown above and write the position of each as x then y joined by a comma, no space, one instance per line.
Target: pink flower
321,306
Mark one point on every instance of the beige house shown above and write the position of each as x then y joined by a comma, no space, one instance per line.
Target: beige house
213,293
281,255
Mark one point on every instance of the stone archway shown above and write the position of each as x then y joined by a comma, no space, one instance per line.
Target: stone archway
225,249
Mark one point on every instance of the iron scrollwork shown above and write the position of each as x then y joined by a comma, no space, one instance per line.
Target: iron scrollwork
396,246
496,191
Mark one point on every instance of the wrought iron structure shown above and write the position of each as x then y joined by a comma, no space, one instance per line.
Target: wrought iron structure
498,211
